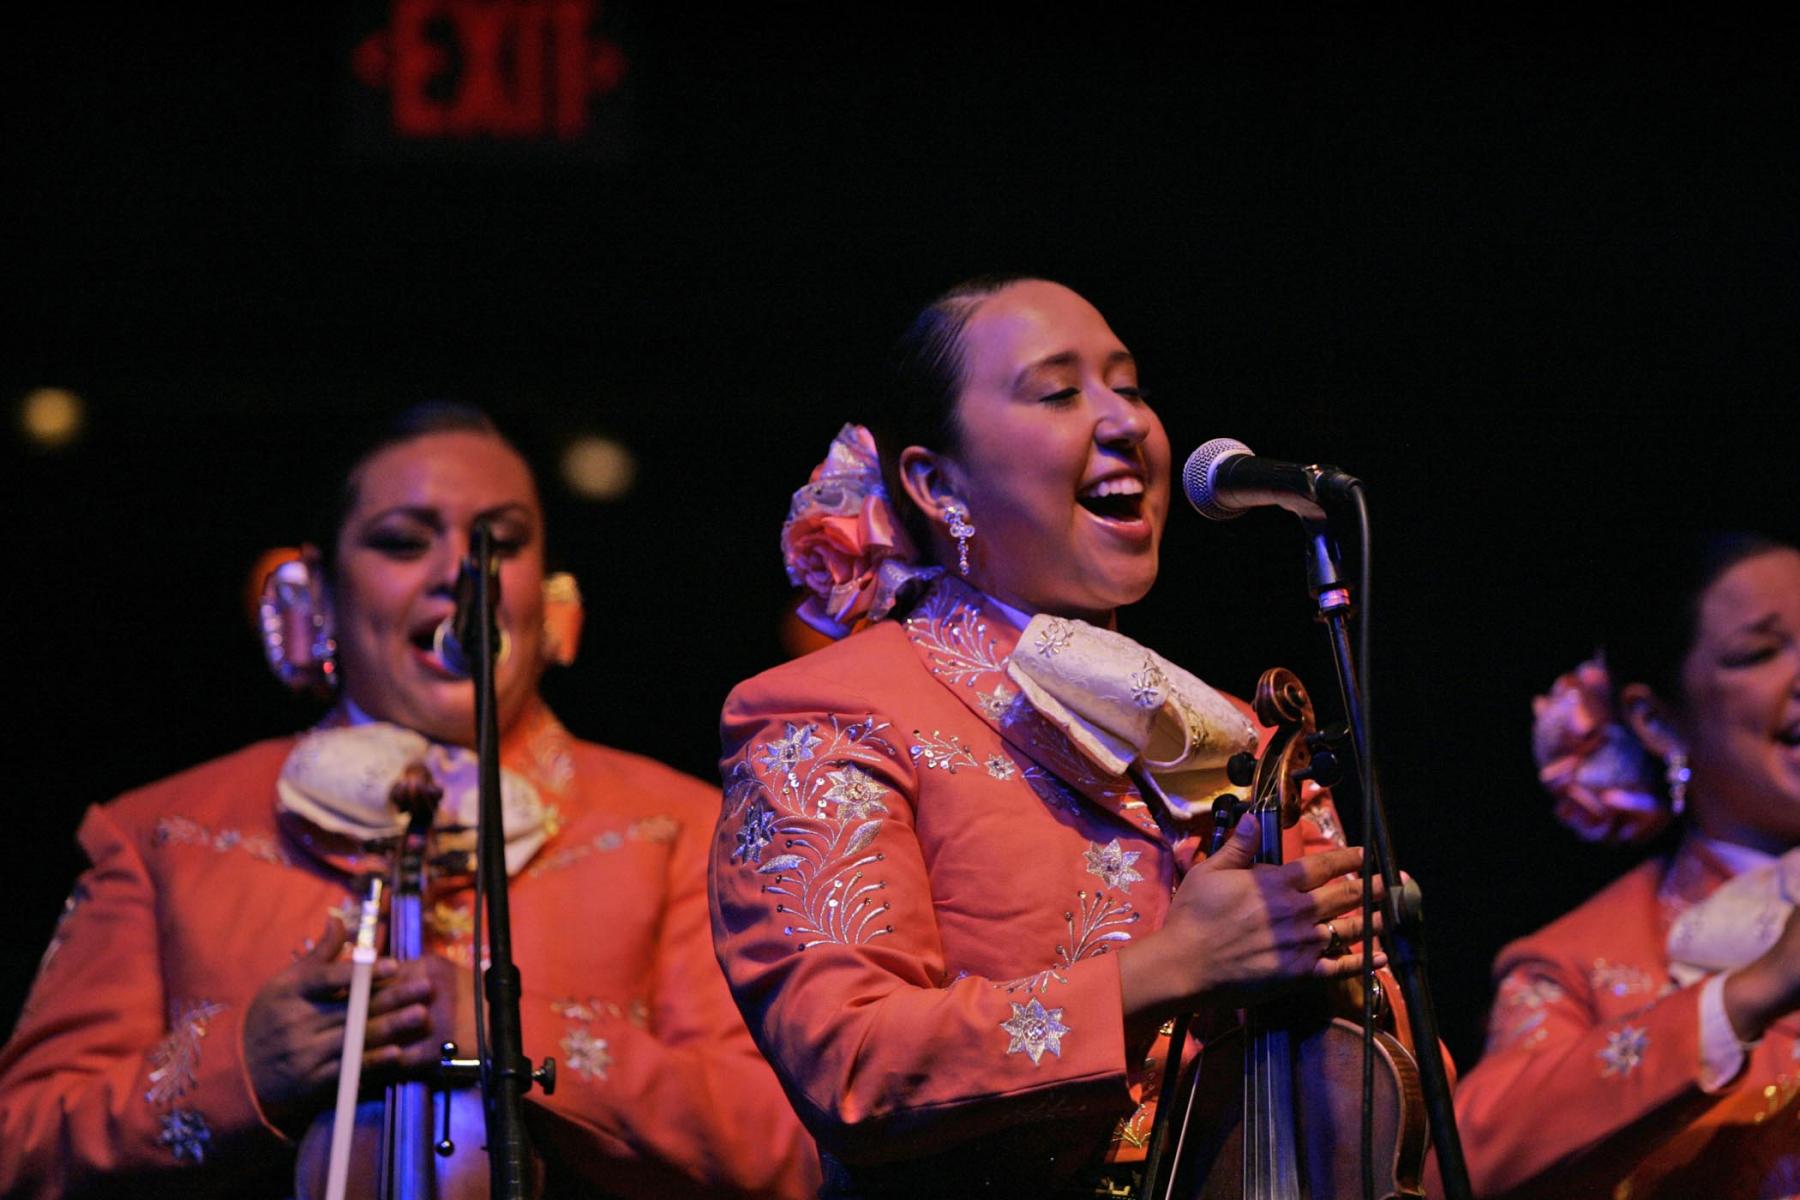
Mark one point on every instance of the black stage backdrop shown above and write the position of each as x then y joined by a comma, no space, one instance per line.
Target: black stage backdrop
1534,281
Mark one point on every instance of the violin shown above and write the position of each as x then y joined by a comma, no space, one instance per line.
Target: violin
392,1153
1272,1108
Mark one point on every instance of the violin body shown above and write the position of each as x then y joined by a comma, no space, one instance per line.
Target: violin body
1327,1052
462,1175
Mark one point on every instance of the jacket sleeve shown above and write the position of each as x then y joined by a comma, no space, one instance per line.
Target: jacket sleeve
106,1083
677,1100
823,916
1617,1087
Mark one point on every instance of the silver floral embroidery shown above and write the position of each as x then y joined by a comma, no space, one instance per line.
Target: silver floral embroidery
1102,923
1112,863
1325,817
657,829
786,753
1521,1010
756,831
1149,685
856,793
1054,637
185,1134
182,831
941,753
1619,979
1000,766
586,1054
955,639
1035,1029
1623,1051
821,867
175,1059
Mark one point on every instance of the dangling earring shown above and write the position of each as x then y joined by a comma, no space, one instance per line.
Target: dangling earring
295,625
562,618
957,518
1677,773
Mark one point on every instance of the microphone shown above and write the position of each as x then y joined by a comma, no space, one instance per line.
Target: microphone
456,634
1225,479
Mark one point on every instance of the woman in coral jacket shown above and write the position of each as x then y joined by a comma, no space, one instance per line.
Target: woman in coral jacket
957,882
1655,1026
187,1023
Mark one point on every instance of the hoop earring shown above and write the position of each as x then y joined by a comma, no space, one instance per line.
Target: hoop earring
1677,773
957,518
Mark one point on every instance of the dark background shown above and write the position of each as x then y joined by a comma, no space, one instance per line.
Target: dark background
1533,280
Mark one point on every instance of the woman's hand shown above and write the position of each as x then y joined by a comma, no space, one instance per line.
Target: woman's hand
294,1029
1761,993
1239,933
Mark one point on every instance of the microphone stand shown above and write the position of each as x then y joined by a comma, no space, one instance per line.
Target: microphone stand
506,1074
1402,919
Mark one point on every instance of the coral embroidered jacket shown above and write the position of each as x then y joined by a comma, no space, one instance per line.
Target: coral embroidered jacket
126,1071
917,882
1591,1079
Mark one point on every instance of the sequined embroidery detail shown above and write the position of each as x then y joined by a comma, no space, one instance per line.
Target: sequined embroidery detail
1623,1051
1149,686
785,753
756,830
1034,1029
174,1060
856,794
1520,1011
821,820
1619,979
181,831
1102,922
1325,818
586,1055
941,753
1055,637
956,642
593,1009
185,1134
658,829
1000,766
1112,863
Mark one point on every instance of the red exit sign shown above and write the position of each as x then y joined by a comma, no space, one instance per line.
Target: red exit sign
519,73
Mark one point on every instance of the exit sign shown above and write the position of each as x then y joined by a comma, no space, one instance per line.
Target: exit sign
490,78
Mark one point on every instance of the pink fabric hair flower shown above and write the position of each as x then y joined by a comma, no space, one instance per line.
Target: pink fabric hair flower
1605,784
843,542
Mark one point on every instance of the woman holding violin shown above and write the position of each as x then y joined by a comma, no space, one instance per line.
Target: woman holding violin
186,1027
1658,1022
959,883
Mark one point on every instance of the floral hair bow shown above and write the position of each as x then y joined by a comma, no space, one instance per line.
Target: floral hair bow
1603,780
843,541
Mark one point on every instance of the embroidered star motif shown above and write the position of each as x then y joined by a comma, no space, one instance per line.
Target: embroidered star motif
784,753
996,703
757,831
1112,863
1623,1051
856,793
185,1134
586,1054
1035,1029
1000,766
1148,686
1054,637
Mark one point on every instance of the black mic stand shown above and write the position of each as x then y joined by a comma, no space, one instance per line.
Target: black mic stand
1403,929
506,1074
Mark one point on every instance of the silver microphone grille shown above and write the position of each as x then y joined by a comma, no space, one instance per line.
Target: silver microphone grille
1197,477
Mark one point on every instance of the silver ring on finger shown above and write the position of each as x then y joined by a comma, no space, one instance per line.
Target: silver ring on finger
1335,947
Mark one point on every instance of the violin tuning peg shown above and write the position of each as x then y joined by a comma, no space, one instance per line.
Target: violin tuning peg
1325,770
1240,768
